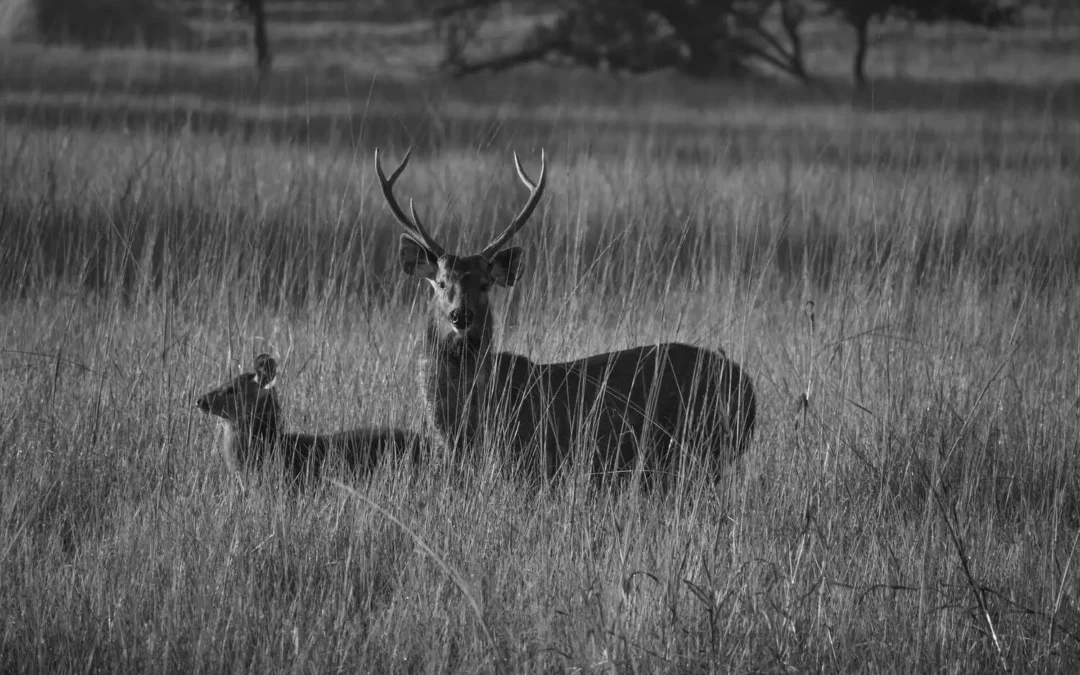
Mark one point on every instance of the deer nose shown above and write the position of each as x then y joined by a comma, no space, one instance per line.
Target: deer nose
201,403
461,318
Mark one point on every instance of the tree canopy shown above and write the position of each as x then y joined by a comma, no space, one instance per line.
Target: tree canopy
859,14
698,37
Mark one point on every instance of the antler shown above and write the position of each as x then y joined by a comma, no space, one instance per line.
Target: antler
535,191
414,226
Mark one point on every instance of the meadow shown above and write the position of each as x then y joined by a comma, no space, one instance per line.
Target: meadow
897,271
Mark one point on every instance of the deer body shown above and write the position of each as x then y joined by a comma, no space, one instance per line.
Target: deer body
633,406
248,412
629,408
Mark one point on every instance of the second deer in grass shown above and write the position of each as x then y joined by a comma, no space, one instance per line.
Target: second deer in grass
629,409
249,413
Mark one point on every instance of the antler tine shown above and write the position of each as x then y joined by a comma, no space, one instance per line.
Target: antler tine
416,218
536,190
414,226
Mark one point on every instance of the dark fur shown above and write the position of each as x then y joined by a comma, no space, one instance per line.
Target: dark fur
636,406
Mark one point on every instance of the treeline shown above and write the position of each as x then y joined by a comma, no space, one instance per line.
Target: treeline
702,38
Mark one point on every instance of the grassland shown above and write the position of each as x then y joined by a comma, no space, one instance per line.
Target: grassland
899,275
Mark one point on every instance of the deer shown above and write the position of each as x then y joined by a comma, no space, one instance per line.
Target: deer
632,409
248,411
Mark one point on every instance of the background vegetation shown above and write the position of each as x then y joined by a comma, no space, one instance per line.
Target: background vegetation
896,268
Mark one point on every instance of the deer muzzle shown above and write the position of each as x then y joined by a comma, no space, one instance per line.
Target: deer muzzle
462,318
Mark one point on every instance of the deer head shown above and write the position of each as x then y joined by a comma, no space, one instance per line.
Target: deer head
460,284
247,400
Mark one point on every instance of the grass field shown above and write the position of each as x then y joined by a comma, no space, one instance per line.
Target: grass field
906,265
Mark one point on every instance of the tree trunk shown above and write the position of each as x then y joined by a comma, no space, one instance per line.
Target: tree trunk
791,17
263,58
862,41
703,61
701,31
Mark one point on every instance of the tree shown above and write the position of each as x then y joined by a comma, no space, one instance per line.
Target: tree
257,11
859,14
700,37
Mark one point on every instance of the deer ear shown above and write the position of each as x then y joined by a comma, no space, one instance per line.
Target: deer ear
506,265
416,260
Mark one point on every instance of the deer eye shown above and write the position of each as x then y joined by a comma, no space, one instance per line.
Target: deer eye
442,285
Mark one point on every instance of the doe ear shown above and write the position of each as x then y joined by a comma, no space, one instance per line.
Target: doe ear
416,260
506,265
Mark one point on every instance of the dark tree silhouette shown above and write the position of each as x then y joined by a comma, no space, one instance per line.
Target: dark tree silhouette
859,14
256,9
699,37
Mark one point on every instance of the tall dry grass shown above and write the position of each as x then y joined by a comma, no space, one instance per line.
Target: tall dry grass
901,287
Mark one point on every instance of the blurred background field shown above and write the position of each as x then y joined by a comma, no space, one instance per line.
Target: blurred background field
896,266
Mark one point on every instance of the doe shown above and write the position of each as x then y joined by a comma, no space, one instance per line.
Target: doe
248,411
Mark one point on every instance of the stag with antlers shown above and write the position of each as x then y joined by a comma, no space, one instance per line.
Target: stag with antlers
641,408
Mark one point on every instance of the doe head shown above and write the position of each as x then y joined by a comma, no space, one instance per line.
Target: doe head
247,399
460,284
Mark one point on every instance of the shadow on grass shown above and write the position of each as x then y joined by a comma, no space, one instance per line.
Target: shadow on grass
329,73
582,112
440,127
1062,101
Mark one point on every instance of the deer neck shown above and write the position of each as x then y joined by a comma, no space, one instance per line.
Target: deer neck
247,442
455,370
